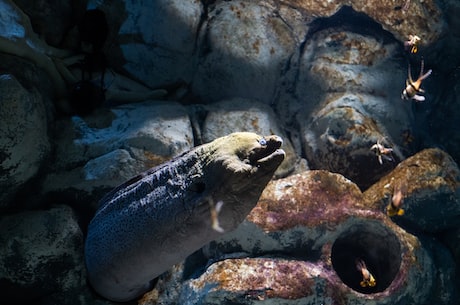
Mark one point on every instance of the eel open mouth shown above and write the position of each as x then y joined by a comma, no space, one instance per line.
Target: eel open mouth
269,149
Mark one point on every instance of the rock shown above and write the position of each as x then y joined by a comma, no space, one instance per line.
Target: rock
451,238
24,141
238,114
244,51
358,103
424,18
46,15
430,182
339,138
41,256
18,38
153,42
442,119
300,244
104,149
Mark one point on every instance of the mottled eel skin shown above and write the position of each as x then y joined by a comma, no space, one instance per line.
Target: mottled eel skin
158,218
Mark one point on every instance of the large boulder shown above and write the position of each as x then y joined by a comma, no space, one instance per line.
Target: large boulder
301,244
24,143
41,256
429,183
152,41
100,151
350,101
244,51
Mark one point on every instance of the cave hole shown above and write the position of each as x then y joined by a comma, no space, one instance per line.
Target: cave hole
373,243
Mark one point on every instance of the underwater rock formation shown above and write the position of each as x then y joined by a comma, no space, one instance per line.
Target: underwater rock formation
357,104
398,17
430,186
47,14
111,146
447,110
236,115
153,41
41,256
248,47
300,245
24,143
327,75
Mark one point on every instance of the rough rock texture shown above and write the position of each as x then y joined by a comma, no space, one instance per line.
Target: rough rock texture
358,104
430,181
153,41
332,71
41,256
301,243
107,148
23,136
247,46
18,38
419,17
236,115
447,136
45,14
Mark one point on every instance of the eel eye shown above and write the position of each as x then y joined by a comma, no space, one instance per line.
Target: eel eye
263,142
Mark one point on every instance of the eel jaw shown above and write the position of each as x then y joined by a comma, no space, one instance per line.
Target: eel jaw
268,151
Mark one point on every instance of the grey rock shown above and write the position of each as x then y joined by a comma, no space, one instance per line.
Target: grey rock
41,255
239,114
45,15
244,51
430,185
110,146
24,140
445,133
155,41
339,138
350,99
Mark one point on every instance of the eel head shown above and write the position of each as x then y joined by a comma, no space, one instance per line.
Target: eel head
249,153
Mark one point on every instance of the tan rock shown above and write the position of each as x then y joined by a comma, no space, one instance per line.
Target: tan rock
422,18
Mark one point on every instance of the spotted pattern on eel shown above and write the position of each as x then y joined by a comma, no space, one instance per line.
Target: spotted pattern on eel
163,215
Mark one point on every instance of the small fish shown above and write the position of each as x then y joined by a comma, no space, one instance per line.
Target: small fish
368,278
412,43
394,208
382,152
414,87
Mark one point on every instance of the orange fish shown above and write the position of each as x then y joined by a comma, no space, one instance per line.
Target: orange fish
395,206
412,43
414,87
368,278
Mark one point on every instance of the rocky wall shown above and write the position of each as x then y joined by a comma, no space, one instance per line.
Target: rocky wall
326,76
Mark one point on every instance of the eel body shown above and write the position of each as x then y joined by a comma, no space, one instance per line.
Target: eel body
163,215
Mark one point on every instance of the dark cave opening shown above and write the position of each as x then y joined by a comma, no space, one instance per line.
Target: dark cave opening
373,243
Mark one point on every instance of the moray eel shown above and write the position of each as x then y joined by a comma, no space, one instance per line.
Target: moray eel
163,215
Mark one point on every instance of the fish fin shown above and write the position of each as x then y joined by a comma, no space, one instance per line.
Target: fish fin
401,212
409,76
419,98
422,65
422,77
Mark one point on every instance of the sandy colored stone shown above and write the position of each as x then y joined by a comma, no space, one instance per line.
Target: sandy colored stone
423,18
